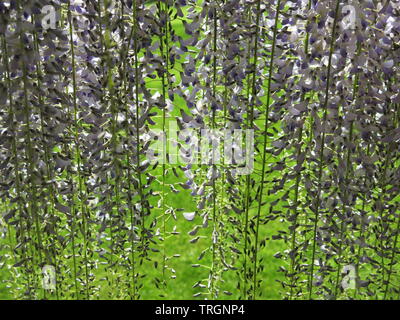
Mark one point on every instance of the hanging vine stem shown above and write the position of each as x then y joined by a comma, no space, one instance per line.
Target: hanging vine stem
71,201
49,176
362,227
297,183
250,125
114,113
71,196
382,207
264,157
393,254
347,172
247,199
84,209
396,232
16,164
11,242
392,258
164,37
107,75
73,213
109,197
214,237
322,148
138,173
360,250
29,151
128,156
